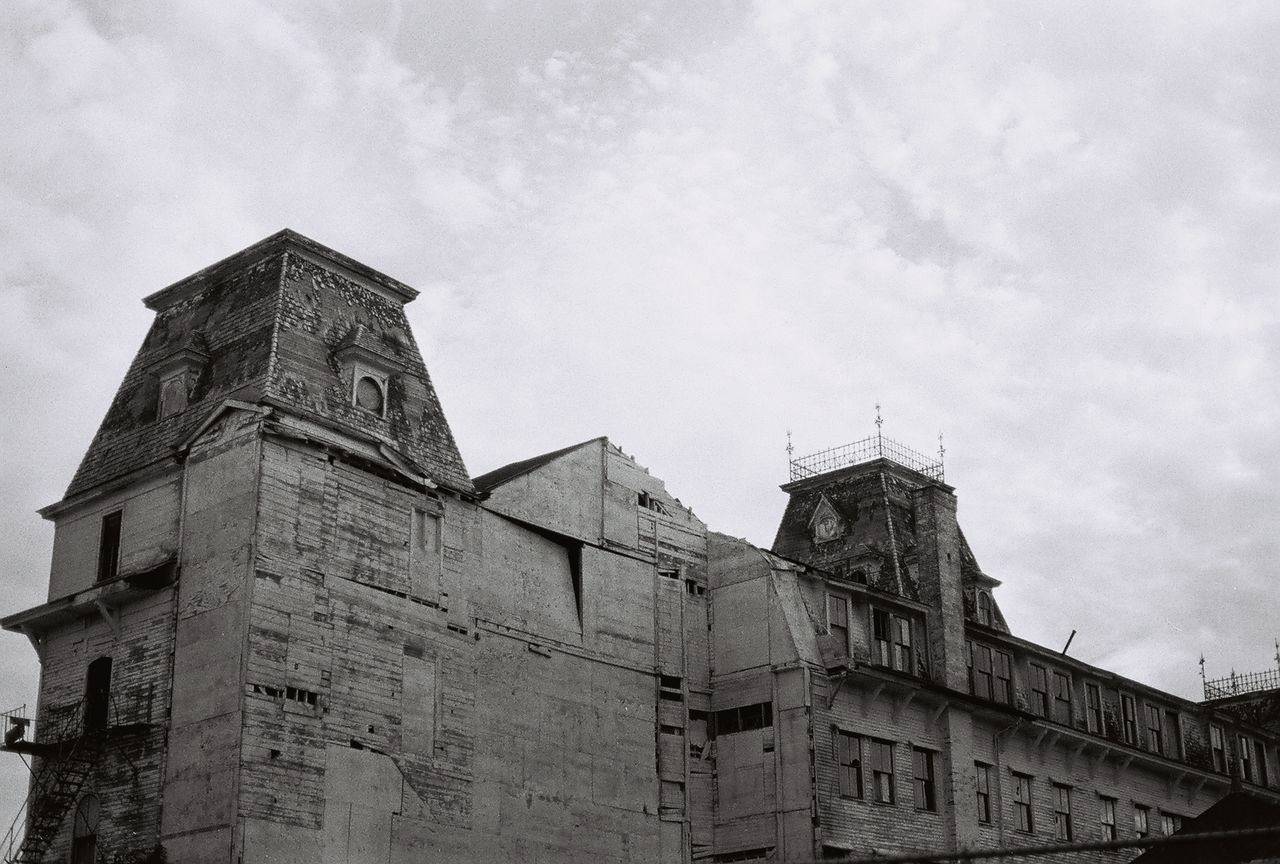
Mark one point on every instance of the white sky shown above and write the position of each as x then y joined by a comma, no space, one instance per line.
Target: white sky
1047,229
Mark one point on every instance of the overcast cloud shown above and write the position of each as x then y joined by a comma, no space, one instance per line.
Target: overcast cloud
1048,229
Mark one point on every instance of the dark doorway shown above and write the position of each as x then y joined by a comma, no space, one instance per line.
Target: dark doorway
97,695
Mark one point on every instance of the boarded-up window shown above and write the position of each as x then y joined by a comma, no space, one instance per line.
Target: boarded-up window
419,709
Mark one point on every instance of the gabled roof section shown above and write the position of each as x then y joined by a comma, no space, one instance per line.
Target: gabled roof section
268,322
495,478
1237,811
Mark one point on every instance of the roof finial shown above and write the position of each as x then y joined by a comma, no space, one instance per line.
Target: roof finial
942,457
879,438
790,448
1278,653
1201,665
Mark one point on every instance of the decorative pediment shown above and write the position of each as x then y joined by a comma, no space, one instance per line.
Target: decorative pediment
826,524
178,373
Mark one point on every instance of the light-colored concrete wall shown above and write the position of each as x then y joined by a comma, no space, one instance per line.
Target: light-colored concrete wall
201,767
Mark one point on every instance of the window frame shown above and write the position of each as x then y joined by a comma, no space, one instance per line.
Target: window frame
1093,717
1004,683
982,786
881,748
1040,690
1218,748
1155,728
1170,823
110,531
924,782
840,739
1062,811
1129,719
1023,802
1107,816
1062,698
1244,757
841,603
1141,820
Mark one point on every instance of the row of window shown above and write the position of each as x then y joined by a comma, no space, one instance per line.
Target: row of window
853,751
865,771
1063,816
1155,727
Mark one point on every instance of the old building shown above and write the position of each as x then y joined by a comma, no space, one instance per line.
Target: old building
285,624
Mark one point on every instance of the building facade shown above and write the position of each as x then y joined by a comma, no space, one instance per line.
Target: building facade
285,624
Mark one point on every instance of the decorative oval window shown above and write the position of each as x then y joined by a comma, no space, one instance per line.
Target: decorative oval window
369,395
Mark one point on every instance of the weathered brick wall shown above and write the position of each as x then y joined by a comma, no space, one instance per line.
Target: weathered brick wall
864,824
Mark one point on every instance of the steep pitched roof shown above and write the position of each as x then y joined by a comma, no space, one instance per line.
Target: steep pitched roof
495,478
270,319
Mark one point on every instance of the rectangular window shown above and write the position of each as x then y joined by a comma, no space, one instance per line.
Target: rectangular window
880,626
109,546
882,771
903,658
1039,690
1129,718
1260,757
922,775
1169,823
1093,708
980,678
1022,802
849,763
983,776
731,720
1141,820
1107,817
1172,735
1218,746
1155,732
1245,757
1062,698
1061,811
1004,678
838,621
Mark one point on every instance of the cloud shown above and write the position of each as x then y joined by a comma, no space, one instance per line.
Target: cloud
1046,230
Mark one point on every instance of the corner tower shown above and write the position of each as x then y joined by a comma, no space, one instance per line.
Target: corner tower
275,458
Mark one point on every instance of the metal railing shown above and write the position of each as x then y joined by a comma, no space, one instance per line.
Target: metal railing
866,450
1246,682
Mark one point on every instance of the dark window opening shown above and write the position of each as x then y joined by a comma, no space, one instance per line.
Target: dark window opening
922,778
984,791
1129,718
97,695
109,547
1022,802
848,763
1093,708
694,588
744,719
1039,690
1062,698
670,687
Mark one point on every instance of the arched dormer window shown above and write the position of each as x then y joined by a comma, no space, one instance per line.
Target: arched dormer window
984,608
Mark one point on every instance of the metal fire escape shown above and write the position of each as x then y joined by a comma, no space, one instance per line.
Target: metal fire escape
66,757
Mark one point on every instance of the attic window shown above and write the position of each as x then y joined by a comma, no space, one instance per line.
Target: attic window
984,608
368,394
